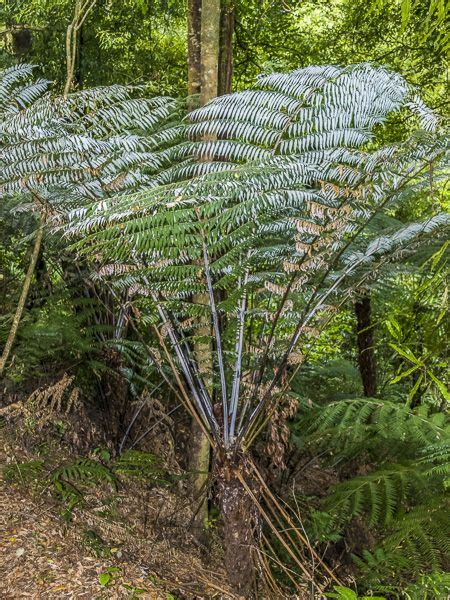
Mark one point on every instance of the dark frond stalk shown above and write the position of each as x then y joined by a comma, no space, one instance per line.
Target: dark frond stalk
23,296
220,360
194,410
238,365
284,299
252,422
155,361
135,416
258,376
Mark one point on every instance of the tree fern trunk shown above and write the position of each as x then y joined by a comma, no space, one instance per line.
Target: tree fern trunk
240,522
365,341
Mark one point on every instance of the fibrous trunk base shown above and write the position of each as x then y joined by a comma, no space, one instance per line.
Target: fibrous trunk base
240,525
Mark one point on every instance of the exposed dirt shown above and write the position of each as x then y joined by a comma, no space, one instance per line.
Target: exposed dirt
135,540
39,558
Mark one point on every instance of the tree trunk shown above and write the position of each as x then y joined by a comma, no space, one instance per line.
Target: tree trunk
366,354
81,11
203,57
194,46
23,297
209,50
226,47
240,521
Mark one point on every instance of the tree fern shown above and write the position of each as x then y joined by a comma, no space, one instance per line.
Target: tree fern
260,203
281,229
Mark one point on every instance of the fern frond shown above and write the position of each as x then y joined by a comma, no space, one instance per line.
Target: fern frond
418,543
143,465
379,495
350,421
18,90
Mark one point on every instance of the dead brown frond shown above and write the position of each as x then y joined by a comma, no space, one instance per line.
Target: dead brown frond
61,398
278,431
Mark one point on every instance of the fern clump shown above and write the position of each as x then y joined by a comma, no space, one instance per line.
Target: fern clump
402,499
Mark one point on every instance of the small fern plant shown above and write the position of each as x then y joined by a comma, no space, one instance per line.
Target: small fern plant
71,481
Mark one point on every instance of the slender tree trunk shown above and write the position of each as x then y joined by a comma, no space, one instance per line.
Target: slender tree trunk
209,51
194,46
203,57
81,11
23,297
226,47
366,354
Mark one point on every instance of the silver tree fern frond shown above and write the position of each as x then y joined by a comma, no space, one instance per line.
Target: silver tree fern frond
88,145
279,229
18,89
266,206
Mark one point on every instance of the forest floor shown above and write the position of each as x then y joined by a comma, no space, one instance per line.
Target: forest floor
40,558
122,544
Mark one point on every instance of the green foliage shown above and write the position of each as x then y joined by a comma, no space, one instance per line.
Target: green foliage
70,480
372,419
417,331
345,593
257,208
107,576
402,495
259,179
379,495
142,465
96,544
